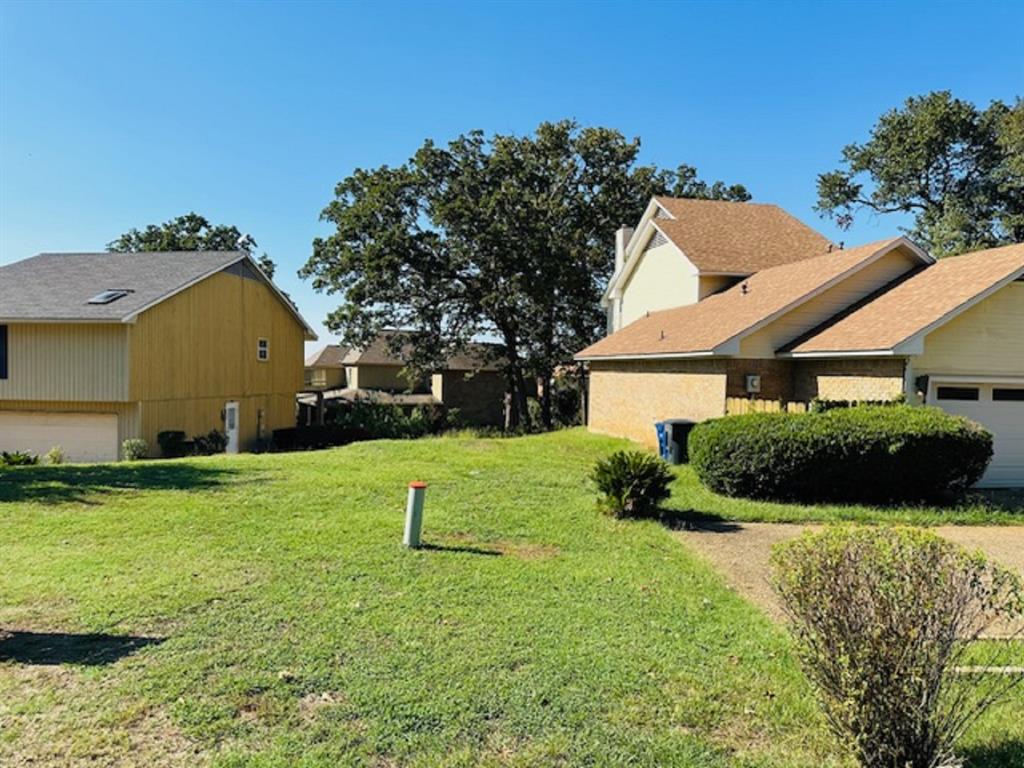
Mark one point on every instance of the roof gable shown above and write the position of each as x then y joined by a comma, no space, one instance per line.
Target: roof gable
896,320
57,287
722,238
715,325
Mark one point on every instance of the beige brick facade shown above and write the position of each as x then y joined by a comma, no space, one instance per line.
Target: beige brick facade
627,397
853,379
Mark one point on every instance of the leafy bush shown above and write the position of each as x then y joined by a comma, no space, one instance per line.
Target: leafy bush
55,456
873,454
134,449
18,459
212,442
821,406
309,438
173,444
387,421
632,483
883,618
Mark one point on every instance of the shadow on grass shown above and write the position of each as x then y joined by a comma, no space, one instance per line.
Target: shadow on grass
1009,754
51,648
1009,500
460,548
83,483
692,520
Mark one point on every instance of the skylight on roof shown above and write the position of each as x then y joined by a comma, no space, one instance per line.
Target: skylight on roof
108,296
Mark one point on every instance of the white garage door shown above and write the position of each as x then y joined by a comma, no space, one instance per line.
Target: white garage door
999,406
83,436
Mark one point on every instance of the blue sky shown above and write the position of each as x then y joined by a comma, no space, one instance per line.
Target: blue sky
114,115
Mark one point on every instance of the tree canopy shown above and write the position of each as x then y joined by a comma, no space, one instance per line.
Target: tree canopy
190,232
509,237
957,169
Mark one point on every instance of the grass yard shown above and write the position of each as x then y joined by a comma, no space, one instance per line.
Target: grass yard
260,611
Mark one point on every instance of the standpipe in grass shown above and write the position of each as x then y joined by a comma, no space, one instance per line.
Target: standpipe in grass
414,514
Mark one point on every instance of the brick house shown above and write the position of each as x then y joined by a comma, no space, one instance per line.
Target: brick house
766,308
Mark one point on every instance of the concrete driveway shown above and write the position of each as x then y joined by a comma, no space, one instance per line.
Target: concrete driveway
741,551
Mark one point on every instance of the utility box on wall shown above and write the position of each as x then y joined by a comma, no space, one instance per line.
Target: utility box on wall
753,383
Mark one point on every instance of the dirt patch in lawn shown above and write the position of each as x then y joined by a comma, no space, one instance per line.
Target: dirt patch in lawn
741,553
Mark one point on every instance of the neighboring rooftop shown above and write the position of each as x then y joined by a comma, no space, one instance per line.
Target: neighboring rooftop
737,238
700,328
331,356
476,358
910,307
71,287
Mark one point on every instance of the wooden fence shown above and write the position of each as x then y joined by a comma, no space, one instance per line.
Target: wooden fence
738,405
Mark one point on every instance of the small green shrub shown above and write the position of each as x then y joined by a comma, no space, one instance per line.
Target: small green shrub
386,421
631,483
212,442
172,444
55,456
134,449
871,454
883,619
18,459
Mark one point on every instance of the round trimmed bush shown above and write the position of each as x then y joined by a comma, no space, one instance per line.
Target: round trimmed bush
871,454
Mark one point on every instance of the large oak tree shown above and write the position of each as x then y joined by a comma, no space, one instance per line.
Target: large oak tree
508,237
958,170
190,232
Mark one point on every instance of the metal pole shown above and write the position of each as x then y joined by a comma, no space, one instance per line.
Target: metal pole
414,514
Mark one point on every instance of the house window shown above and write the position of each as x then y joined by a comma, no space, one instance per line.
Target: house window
263,350
3,351
958,393
1007,395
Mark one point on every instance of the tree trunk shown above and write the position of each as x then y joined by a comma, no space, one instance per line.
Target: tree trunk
545,401
519,413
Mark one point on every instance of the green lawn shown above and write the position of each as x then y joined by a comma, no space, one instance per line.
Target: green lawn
278,621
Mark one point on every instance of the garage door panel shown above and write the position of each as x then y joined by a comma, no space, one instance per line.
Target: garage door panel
1004,419
83,436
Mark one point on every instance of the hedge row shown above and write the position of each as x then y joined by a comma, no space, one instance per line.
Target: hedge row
318,436
871,454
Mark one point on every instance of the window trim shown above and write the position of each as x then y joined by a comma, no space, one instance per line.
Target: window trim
263,349
1017,399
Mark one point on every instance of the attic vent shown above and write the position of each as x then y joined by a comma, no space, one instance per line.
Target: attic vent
654,242
108,296
661,213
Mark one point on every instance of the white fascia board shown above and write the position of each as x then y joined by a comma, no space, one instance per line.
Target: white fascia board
914,344
60,320
657,356
839,353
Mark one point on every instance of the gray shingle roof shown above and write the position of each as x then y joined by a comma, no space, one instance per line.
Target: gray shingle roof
58,286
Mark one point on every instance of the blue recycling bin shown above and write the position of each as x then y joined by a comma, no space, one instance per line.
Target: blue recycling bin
672,437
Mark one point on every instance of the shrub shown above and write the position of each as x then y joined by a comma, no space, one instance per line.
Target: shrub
873,454
821,406
387,421
212,442
173,444
134,449
18,459
884,620
55,456
632,483
309,438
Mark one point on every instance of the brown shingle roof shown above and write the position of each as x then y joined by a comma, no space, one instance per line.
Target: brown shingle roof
913,305
475,358
737,238
701,327
330,356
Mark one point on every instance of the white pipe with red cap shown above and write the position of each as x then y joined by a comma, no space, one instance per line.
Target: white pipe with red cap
414,513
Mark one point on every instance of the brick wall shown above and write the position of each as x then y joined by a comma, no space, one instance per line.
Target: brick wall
853,379
480,398
776,378
627,397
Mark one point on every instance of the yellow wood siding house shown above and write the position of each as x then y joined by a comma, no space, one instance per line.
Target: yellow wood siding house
96,348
